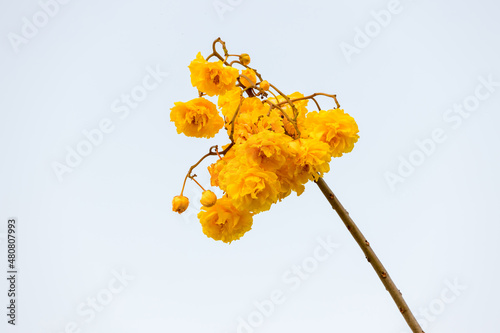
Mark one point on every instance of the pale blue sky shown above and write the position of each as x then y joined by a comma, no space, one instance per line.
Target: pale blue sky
100,249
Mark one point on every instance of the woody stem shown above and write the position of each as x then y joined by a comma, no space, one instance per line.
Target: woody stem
371,257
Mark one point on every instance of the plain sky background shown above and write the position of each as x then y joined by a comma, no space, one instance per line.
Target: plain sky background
435,228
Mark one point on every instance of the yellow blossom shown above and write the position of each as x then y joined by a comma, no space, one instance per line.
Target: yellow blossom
266,149
272,122
244,127
334,127
224,222
287,176
208,198
311,158
228,103
264,85
248,78
300,109
253,106
215,168
250,187
197,118
180,203
252,110
212,78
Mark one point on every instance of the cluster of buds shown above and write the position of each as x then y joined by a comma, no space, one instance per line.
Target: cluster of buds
276,144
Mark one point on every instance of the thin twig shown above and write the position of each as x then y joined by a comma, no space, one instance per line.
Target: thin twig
316,102
288,100
292,121
233,120
214,150
312,97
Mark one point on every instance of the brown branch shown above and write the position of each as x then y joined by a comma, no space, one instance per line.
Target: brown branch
312,97
370,256
336,102
216,54
233,120
287,100
214,150
316,102
248,90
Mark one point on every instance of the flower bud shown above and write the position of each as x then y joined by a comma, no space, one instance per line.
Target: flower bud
180,203
208,198
245,59
264,85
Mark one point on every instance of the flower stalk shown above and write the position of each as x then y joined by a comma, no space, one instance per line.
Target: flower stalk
276,146
370,256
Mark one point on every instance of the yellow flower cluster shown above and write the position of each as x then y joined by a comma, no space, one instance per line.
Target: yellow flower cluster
276,144
198,117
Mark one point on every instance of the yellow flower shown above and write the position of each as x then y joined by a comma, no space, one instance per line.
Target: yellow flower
300,108
311,157
273,122
287,176
208,198
301,105
335,127
252,110
198,118
180,203
228,103
250,187
253,106
248,78
215,168
212,78
266,149
224,222
244,127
